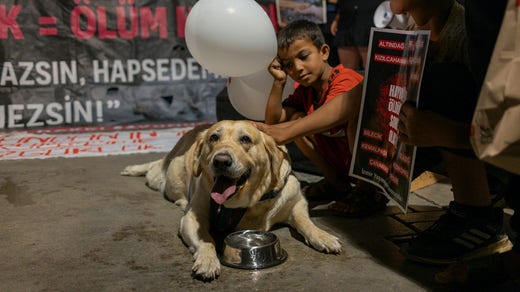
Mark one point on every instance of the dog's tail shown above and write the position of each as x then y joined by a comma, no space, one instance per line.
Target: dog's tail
139,169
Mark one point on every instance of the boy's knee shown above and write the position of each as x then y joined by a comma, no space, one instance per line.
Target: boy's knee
305,145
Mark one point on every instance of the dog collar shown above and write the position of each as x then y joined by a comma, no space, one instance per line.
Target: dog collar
270,195
225,220
274,193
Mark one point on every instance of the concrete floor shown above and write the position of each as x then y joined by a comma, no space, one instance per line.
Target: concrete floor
76,225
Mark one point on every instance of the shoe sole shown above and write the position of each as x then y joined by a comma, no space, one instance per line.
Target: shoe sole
500,246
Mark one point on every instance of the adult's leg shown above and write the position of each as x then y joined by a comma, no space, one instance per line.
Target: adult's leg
349,57
468,179
471,227
512,196
499,271
363,53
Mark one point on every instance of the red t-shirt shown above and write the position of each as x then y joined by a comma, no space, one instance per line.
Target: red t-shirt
332,144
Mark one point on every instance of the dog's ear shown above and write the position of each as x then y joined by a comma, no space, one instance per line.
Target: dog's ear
197,153
280,161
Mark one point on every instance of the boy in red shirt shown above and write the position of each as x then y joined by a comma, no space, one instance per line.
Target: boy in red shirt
321,115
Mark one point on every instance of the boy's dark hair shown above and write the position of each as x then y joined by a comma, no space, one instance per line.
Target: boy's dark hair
300,29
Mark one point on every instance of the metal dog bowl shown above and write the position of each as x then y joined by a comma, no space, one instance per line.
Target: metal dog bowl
251,249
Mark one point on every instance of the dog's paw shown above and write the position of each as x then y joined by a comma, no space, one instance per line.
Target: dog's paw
325,242
182,204
206,267
127,171
133,170
139,169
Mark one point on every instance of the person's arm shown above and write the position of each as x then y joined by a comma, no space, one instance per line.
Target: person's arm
334,25
274,111
340,109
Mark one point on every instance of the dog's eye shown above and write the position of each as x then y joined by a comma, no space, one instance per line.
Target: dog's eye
245,139
214,138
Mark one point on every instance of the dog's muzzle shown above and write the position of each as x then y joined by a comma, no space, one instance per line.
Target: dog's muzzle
228,176
222,162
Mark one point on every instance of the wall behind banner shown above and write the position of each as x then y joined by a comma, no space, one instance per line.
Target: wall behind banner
101,62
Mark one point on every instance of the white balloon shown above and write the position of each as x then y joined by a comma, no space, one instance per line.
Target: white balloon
230,37
249,94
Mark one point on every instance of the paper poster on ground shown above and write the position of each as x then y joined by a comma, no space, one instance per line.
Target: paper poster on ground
393,76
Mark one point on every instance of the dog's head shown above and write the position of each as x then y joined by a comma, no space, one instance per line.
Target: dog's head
243,162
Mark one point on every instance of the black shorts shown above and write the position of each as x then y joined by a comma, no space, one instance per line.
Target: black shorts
356,31
449,90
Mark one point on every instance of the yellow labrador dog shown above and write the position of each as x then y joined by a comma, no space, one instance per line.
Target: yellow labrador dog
218,171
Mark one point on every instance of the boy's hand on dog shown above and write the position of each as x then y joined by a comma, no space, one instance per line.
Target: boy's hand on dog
279,132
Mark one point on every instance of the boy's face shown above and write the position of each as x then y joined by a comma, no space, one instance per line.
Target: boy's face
304,62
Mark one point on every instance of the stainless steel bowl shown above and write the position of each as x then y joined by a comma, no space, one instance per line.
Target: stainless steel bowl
251,249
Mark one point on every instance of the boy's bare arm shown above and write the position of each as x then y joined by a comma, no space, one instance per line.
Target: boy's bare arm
342,108
274,112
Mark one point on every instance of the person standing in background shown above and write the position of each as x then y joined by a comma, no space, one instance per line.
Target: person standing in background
329,37
351,28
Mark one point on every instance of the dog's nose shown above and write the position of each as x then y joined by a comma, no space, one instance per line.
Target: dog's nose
222,161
